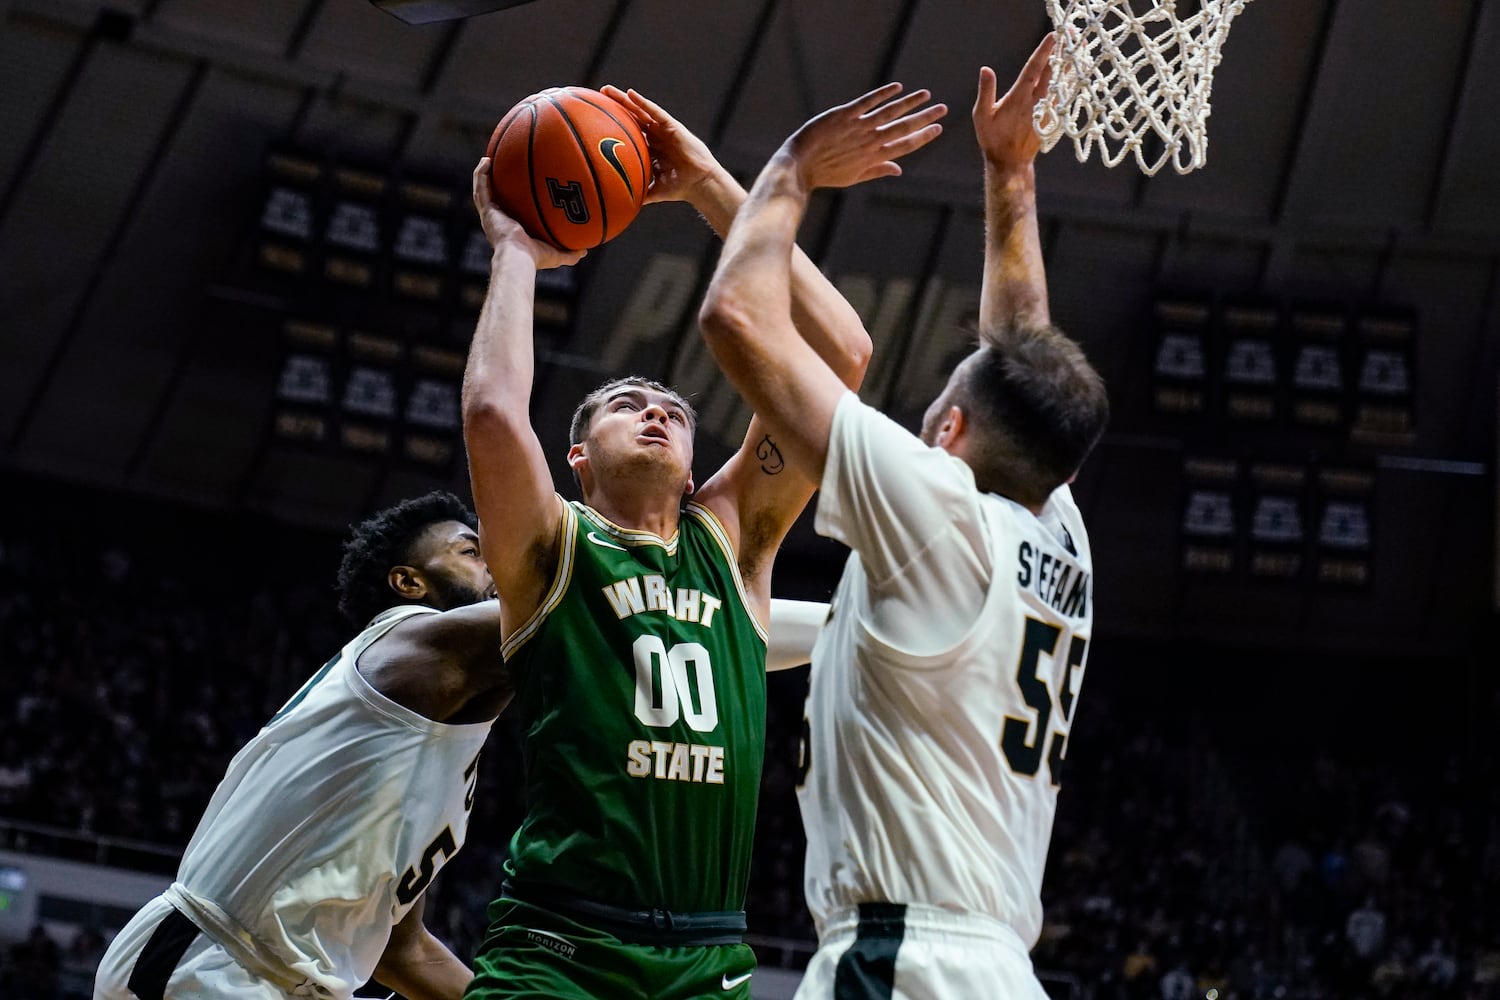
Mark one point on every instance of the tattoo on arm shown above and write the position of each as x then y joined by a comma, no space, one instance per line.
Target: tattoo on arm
771,462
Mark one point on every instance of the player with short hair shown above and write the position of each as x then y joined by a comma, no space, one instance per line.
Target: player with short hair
945,682
634,628
306,874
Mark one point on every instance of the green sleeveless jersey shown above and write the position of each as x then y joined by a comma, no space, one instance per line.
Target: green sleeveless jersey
642,687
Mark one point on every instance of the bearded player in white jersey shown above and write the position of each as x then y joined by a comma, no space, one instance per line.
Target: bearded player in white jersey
306,874
944,684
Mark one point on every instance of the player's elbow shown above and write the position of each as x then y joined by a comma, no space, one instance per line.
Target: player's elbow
857,350
726,314
488,415
727,327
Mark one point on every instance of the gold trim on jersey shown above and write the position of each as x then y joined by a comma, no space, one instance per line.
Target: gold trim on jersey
560,581
715,527
630,536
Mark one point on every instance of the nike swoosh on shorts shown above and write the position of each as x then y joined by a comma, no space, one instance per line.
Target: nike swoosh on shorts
730,984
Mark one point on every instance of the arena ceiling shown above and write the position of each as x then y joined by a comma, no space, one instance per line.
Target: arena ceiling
1352,169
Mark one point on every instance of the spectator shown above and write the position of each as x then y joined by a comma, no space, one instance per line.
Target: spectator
15,772
1436,966
1372,861
1291,864
35,962
1365,930
1393,972
1139,968
1178,983
79,962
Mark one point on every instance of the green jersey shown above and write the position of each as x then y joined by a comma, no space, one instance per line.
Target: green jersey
641,683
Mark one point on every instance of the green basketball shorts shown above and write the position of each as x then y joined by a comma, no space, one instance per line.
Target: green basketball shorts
531,953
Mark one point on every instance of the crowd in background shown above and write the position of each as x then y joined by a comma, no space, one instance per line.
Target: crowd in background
1335,881
1183,865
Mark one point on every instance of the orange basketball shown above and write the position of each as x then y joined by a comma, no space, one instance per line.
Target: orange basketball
571,166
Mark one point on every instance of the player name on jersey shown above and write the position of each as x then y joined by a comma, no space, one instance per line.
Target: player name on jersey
639,594
1057,581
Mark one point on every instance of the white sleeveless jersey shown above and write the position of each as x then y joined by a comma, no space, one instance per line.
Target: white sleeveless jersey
327,827
943,685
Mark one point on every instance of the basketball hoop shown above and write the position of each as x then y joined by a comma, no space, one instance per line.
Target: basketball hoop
1120,78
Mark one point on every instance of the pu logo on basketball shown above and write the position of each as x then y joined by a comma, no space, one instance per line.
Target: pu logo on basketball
607,149
569,198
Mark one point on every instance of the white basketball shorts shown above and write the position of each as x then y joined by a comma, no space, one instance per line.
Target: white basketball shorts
896,951
160,955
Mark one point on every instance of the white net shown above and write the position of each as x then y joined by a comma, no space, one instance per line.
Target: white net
1135,83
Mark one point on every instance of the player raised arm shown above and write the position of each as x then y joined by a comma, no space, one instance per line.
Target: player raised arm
508,471
1015,280
684,169
747,315
754,494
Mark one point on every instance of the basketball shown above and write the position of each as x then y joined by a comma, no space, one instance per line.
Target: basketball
571,166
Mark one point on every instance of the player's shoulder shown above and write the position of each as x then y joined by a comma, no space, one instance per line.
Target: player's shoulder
1063,502
395,614
430,637
1059,523
872,445
396,617
702,518
854,418
1063,514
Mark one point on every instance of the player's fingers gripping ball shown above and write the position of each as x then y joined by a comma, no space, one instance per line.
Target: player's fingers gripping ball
571,166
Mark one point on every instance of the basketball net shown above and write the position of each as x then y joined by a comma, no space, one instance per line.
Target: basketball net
1119,78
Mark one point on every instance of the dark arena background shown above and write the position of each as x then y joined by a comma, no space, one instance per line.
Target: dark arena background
239,270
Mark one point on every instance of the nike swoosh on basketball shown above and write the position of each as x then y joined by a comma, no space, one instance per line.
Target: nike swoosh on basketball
730,984
608,545
607,147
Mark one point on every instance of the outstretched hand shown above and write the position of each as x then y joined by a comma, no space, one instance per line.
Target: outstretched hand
1004,127
500,228
862,140
680,161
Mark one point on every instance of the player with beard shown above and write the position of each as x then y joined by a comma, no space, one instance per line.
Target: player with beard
946,680
306,873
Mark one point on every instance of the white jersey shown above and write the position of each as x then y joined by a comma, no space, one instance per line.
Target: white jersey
943,684
328,826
